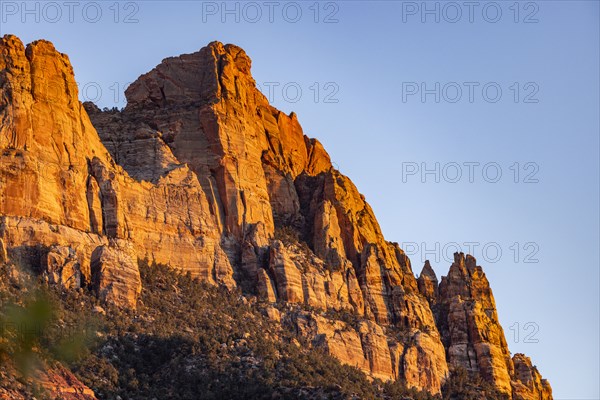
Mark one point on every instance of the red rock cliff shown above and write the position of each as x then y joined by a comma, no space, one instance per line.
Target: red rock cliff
200,173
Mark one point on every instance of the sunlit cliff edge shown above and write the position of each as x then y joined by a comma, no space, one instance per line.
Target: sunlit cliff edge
199,173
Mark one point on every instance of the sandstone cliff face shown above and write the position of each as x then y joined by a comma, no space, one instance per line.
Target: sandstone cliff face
528,383
260,172
200,173
428,283
472,334
474,338
62,267
115,274
57,175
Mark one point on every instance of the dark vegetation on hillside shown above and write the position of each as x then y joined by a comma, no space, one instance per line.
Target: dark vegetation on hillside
186,340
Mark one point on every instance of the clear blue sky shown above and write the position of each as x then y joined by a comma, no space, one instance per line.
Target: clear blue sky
375,56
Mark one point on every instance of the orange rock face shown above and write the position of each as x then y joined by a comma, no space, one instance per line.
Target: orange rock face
60,383
55,172
115,274
528,383
57,383
260,172
62,267
473,337
200,173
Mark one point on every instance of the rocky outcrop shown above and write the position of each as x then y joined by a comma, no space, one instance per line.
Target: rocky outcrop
29,242
469,324
62,267
528,383
115,274
287,276
59,382
473,336
55,382
3,254
301,277
419,361
428,283
199,172
347,343
379,351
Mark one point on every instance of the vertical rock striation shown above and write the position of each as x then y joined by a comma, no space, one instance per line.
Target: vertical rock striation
472,334
56,174
199,172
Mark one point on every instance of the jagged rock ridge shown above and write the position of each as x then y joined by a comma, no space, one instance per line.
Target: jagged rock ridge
200,173
467,319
